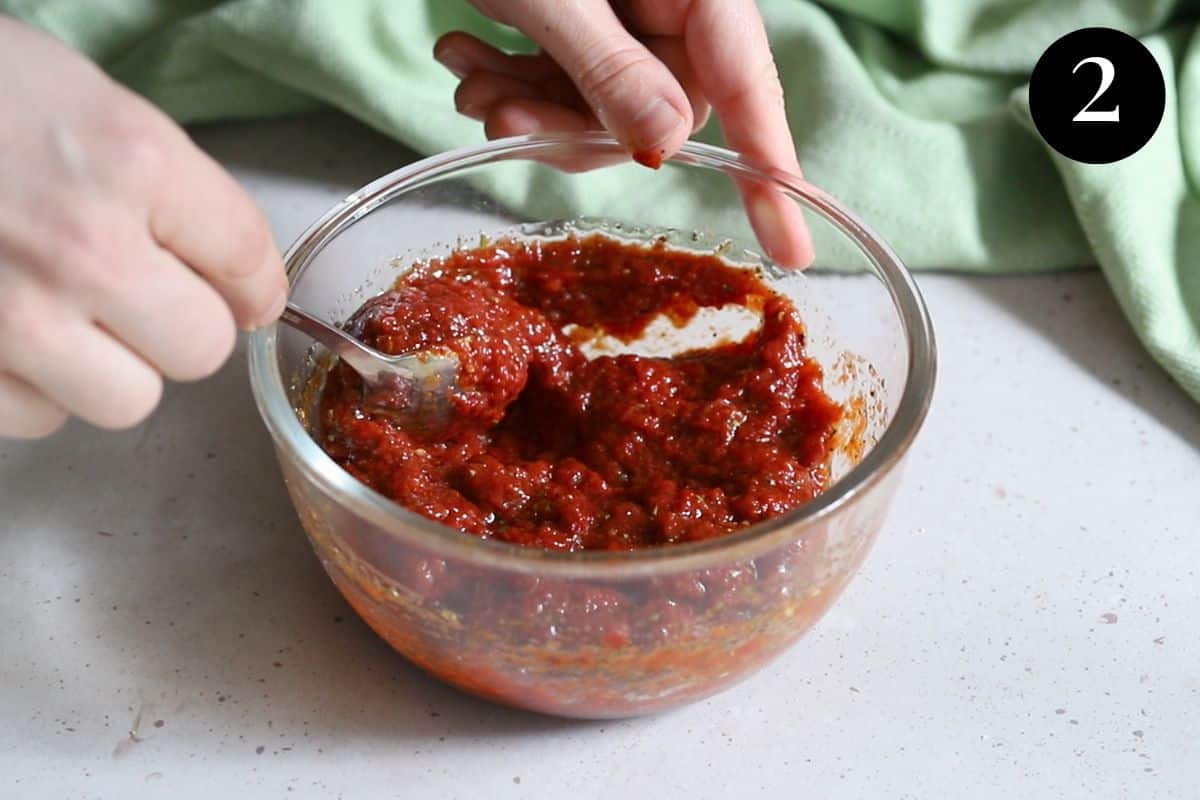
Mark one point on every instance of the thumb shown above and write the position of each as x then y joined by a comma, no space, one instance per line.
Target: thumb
631,92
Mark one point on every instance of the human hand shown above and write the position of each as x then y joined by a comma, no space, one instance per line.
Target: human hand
649,71
126,253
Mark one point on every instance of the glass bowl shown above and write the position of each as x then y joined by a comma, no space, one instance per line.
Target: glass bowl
602,634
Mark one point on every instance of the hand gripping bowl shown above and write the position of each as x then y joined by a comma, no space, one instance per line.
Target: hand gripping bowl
602,634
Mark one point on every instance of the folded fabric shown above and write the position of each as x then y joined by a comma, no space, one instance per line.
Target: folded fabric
914,112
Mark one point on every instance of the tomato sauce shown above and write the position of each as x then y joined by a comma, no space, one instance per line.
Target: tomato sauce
551,449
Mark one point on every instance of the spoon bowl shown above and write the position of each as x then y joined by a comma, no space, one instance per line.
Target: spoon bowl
412,388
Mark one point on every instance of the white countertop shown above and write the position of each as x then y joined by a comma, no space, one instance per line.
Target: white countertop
1027,626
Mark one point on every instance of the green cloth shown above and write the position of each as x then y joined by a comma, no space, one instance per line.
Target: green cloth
914,112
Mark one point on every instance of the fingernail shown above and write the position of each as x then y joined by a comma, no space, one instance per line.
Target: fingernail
276,309
768,224
453,60
785,241
654,125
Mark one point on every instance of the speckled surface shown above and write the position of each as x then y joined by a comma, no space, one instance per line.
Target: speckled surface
1028,625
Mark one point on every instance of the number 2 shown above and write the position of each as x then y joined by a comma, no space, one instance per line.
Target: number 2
1107,73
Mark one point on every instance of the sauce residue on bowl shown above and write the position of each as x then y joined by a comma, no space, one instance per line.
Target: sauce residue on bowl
551,449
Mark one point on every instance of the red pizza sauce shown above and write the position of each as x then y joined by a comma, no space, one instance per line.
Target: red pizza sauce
551,449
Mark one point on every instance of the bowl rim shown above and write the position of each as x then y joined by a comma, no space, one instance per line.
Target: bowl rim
295,444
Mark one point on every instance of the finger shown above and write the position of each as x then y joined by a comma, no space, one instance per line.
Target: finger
778,223
462,54
74,364
521,117
170,316
204,218
490,75
740,79
742,83
672,52
25,413
481,90
631,92
518,117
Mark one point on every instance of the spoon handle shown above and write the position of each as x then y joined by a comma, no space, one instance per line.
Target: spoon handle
361,358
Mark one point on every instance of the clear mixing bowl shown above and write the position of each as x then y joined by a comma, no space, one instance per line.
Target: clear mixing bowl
602,634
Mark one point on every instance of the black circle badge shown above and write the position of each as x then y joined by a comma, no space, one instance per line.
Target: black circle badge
1097,95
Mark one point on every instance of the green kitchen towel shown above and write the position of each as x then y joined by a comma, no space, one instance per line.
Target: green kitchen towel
914,112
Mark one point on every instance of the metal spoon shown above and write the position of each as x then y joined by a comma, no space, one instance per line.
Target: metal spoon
413,388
